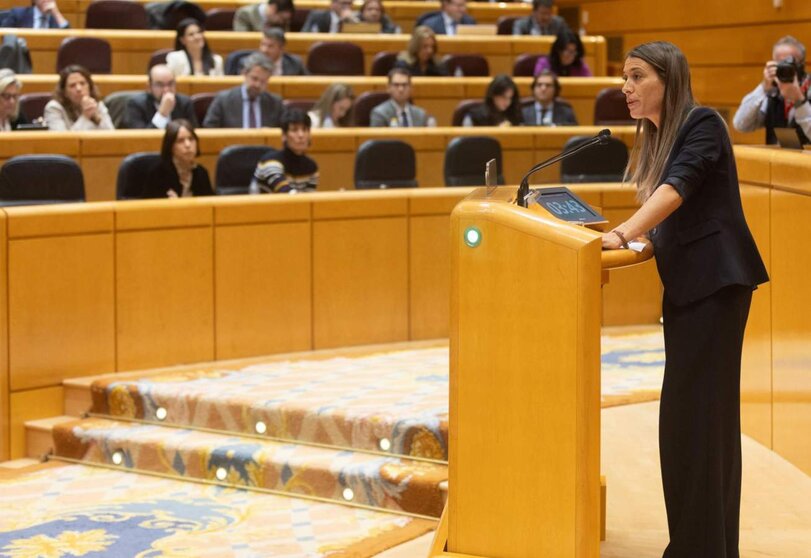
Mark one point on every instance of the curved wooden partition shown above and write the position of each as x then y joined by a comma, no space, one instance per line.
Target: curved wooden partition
133,49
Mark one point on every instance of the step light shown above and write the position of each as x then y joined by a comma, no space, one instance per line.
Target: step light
385,444
348,494
160,413
261,427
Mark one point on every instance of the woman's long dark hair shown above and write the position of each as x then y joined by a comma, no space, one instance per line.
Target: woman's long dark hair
208,58
564,39
172,130
498,86
62,98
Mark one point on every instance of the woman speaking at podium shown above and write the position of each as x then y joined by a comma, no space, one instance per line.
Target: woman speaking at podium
684,169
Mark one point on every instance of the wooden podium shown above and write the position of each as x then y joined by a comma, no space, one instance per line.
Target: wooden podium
524,456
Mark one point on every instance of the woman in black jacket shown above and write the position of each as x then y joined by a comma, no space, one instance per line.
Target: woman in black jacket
501,107
684,168
177,175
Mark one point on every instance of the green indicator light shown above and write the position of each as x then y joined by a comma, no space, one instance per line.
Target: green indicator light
473,237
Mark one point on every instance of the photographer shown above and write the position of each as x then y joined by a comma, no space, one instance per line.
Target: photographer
781,99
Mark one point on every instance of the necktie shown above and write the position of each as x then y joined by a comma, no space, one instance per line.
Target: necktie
251,115
541,116
404,119
42,21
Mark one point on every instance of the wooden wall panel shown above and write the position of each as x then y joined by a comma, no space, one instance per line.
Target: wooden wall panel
165,294
61,308
356,303
5,404
263,289
791,327
756,366
30,405
429,276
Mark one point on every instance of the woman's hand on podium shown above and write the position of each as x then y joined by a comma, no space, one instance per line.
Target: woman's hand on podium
612,241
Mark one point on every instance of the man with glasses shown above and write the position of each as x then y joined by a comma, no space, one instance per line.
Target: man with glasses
329,21
547,110
398,110
160,104
449,18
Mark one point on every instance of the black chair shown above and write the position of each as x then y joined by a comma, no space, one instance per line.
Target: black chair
116,104
469,64
525,65
235,167
201,102
466,157
32,105
610,108
92,53
504,25
422,17
383,62
158,57
602,163
298,19
385,164
233,62
464,106
132,175
116,14
41,179
220,19
365,103
332,58
303,104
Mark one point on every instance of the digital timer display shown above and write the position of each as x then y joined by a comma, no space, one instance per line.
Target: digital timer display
565,205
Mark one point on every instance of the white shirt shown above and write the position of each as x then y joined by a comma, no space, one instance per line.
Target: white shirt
334,22
247,105
450,24
751,115
547,116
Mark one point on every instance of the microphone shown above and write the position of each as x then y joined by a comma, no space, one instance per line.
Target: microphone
523,190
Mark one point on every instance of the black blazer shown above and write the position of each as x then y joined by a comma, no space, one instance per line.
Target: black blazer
163,176
24,17
141,108
226,110
431,69
437,22
318,21
562,114
705,244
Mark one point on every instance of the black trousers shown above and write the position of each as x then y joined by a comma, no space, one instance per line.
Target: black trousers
700,423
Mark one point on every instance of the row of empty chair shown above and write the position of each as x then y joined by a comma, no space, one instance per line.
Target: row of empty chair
41,179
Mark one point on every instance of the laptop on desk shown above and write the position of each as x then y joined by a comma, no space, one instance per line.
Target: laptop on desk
788,138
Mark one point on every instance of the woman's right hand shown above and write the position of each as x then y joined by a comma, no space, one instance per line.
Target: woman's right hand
90,108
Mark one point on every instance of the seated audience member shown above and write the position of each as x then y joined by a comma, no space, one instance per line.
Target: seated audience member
501,105
41,14
420,58
547,110
191,56
329,21
452,14
565,57
10,115
272,46
76,103
334,108
160,103
372,11
288,169
398,110
541,21
266,13
177,175
248,105
779,102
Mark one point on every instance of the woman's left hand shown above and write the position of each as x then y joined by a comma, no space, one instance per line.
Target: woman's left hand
611,241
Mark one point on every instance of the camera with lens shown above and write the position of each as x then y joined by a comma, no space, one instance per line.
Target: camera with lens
787,69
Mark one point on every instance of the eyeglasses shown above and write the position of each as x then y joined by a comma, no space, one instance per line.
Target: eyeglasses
400,84
164,84
9,96
543,84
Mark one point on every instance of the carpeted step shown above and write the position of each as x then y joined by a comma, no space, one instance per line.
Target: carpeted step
396,402
380,481
73,510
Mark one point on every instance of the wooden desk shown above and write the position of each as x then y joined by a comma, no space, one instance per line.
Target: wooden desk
439,96
132,49
100,153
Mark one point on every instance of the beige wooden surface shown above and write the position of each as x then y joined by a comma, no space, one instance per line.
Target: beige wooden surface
540,502
131,50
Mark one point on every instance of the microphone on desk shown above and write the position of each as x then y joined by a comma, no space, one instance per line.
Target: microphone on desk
523,190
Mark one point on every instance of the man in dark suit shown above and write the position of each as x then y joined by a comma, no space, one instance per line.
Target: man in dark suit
160,104
270,13
42,14
541,21
547,110
453,14
329,21
248,105
272,46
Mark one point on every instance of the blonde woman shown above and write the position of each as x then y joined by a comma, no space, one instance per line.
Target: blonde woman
334,108
420,58
10,115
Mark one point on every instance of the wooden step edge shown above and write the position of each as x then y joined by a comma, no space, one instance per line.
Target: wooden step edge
38,437
16,464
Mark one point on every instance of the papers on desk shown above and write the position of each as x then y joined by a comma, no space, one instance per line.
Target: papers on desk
636,246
